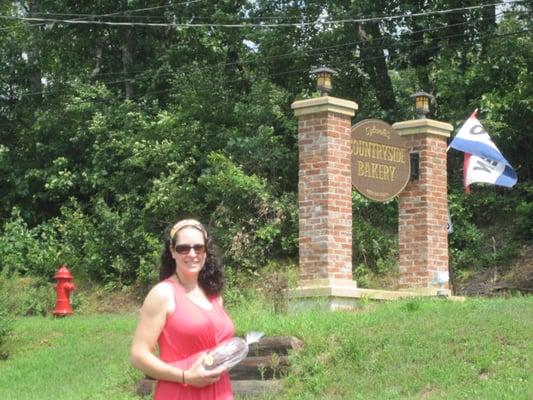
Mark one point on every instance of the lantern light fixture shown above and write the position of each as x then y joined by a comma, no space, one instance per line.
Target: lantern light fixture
422,102
323,77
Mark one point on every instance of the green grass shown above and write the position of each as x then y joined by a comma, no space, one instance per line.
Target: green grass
78,357
411,349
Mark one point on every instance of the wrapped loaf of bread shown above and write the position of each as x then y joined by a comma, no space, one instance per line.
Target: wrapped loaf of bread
230,352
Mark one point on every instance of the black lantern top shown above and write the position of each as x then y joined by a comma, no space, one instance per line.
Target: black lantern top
422,101
323,79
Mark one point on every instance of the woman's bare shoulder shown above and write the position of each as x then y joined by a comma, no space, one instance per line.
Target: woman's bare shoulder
160,296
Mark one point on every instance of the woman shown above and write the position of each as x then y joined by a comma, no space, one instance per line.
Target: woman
183,313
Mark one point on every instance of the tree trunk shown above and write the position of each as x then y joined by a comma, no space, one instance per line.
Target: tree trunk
33,54
456,28
423,77
235,69
374,63
488,24
488,21
126,47
97,61
34,77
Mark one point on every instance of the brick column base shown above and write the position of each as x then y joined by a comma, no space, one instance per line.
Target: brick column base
423,207
325,192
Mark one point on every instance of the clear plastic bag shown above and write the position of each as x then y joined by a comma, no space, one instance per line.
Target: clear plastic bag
230,352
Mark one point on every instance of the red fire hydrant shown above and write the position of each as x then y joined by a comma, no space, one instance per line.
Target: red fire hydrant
63,289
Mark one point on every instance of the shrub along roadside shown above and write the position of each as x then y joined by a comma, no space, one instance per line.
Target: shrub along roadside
6,326
23,296
116,246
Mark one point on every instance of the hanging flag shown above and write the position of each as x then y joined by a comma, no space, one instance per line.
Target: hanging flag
483,162
479,169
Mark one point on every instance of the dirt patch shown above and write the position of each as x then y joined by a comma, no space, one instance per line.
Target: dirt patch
429,392
97,300
518,278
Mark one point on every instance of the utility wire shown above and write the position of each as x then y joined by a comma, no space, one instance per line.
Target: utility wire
262,25
295,54
152,93
118,13
185,3
359,60
127,14
353,62
323,51
298,53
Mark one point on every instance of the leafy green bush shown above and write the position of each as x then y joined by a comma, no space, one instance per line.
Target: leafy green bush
22,296
107,246
524,219
524,212
483,233
374,238
24,249
6,326
250,223
267,288
109,176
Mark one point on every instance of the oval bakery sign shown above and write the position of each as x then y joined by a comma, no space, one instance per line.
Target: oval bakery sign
380,160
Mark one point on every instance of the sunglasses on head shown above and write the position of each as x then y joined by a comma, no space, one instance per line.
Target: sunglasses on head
186,248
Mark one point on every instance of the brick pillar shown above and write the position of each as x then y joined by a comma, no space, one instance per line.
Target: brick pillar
325,190
423,206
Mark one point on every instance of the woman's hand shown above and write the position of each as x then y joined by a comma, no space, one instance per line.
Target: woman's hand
198,376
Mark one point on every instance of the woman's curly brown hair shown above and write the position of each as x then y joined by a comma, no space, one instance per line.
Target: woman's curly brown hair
211,278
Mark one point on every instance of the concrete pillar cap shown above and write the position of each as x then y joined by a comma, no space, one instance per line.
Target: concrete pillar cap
423,126
324,104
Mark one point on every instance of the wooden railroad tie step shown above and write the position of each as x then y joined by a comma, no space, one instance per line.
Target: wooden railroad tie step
257,373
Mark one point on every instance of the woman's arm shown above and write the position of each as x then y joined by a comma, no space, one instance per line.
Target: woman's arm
157,305
152,319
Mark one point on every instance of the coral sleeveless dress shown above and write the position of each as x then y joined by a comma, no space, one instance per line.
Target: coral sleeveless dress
188,332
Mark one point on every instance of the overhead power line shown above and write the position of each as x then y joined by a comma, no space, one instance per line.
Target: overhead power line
133,75
118,13
183,3
257,25
281,73
123,13
156,92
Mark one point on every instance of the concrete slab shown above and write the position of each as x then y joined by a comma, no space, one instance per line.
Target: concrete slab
335,294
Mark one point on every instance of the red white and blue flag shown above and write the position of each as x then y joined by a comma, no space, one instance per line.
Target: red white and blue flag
483,162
